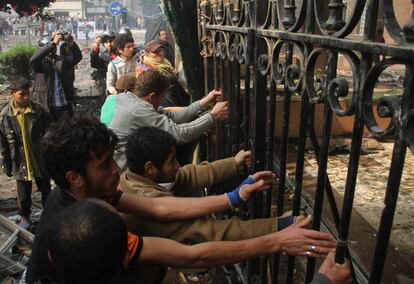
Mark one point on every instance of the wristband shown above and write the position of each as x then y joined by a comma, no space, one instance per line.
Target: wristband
234,196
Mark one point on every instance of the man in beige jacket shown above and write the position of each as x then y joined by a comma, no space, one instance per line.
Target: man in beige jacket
153,171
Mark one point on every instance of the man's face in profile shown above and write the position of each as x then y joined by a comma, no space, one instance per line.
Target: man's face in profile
102,176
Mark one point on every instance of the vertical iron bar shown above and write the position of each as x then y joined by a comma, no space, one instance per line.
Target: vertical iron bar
228,137
357,133
323,161
246,108
328,187
258,131
220,126
237,103
270,143
394,181
259,137
216,80
204,140
283,151
300,160
285,134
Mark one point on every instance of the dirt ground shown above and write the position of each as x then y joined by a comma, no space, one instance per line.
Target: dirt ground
370,190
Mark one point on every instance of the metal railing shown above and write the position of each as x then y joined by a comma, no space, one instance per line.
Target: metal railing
257,50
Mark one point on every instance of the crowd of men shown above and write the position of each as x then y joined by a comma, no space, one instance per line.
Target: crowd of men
125,204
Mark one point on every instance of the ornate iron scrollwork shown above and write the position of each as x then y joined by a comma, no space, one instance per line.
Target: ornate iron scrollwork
290,18
237,12
220,12
241,51
263,62
409,29
335,20
402,36
290,15
278,68
386,107
339,87
335,25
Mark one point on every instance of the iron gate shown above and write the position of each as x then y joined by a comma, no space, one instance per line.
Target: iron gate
262,53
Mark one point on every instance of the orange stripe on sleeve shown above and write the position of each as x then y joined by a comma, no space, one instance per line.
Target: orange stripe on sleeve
133,242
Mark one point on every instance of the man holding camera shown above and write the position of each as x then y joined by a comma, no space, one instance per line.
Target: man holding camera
101,58
52,65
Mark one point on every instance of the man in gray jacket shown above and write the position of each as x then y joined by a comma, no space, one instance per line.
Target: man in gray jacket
143,109
124,64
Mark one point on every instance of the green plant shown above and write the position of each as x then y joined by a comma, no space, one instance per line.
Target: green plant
15,61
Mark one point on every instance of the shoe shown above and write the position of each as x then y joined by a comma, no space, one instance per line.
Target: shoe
24,223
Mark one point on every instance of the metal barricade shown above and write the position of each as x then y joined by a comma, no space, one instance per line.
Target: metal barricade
262,54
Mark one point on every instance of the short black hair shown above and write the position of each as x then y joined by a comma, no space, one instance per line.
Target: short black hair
87,242
150,81
159,32
122,40
18,83
70,142
148,144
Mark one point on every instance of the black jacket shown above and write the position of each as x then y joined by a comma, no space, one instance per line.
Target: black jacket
11,144
44,75
100,60
77,57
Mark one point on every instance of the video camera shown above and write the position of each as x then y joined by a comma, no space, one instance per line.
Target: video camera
63,47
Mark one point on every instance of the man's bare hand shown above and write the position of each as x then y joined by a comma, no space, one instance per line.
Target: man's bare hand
243,158
220,111
263,179
337,273
57,38
209,100
97,42
295,240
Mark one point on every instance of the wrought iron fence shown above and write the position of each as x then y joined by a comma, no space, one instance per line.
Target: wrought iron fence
257,50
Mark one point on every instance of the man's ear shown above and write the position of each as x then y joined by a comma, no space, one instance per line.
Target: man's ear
74,179
151,97
150,170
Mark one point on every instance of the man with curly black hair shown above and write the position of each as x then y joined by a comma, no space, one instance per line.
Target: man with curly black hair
78,155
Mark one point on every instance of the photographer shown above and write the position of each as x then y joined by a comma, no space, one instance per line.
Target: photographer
101,58
52,65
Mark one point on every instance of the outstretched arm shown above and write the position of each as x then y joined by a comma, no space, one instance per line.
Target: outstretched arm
183,208
171,208
168,252
295,240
